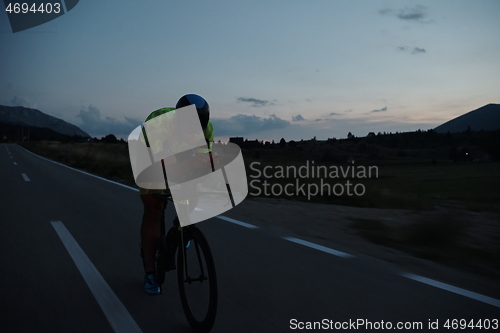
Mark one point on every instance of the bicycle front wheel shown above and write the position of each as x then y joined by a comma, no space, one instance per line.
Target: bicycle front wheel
197,280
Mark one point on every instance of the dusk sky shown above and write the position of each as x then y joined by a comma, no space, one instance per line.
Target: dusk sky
269,69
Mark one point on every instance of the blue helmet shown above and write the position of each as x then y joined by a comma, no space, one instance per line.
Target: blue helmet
201,106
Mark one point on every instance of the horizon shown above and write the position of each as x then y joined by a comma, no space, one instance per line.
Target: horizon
300,70
226,139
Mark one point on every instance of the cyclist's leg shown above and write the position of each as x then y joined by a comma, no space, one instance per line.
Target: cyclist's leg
150,229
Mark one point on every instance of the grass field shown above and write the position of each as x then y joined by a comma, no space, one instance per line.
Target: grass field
104,159
405,183
411,184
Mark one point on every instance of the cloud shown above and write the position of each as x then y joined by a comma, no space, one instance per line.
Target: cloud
415,14
297,118
319,119
339,128
418,50
333,114
380,110
256,103
20,101
244,124
93,124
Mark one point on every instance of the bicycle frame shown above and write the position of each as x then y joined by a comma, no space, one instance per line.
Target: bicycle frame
166,253
180,246
184,238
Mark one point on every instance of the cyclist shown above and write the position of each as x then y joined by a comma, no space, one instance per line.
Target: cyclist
153,206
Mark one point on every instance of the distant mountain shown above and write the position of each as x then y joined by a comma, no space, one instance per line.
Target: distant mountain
486,118
21,116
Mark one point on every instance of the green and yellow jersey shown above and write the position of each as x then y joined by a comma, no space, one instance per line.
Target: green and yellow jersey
208,132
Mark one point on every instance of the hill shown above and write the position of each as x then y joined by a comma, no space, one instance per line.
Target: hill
13,118
485,118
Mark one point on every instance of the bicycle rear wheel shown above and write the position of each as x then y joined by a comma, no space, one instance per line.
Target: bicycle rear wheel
197,280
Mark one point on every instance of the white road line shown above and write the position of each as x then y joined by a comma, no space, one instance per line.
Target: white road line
107,180
243,224
114,310
456,290
15,163
25,177
319,247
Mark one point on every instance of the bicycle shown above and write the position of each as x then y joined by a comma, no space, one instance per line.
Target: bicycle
195,270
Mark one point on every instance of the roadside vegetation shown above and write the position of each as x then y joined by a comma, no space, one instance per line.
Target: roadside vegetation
417,170
108,160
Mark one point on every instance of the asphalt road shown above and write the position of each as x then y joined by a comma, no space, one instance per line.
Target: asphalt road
265,281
